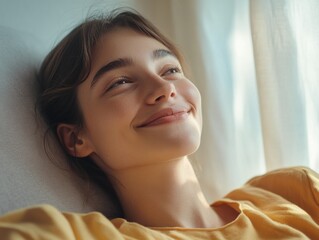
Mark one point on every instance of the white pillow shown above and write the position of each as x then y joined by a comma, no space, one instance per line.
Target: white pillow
27,176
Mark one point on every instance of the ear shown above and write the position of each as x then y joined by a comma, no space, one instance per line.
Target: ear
73,141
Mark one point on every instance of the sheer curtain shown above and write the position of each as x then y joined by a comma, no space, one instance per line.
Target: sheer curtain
286,48
255,65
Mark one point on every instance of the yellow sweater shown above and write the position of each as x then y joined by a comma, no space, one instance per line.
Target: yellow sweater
282,204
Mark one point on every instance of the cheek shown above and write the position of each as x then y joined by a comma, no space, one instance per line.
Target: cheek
192,95
111,117
109,126
190,92
195,95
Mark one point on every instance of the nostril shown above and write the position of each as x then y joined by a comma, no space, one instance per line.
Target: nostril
159,98
162,93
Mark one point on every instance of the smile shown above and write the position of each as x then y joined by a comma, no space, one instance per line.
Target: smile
165,116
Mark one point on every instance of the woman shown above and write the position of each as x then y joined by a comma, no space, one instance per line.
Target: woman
115,93
134,114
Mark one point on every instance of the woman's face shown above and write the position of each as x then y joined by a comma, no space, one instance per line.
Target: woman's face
138,106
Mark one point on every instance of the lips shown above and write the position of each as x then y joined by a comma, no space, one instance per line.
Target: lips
165,116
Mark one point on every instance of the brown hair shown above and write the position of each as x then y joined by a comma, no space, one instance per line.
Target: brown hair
69,64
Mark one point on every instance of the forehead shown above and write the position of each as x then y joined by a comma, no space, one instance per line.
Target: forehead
124,42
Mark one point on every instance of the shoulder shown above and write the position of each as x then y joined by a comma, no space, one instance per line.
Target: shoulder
298,185
288,180
284,202
41,221
289,183
37,212
47,222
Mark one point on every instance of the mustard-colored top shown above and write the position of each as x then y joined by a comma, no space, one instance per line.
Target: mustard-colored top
282,204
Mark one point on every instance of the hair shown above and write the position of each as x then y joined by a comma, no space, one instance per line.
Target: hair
68,65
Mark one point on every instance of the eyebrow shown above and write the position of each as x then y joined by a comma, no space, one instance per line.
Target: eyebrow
160,53
123,62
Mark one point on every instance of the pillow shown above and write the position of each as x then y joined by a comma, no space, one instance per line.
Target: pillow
27,175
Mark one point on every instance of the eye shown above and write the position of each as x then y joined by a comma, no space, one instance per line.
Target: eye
119,82
172,70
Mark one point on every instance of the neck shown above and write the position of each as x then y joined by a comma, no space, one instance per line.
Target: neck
165,194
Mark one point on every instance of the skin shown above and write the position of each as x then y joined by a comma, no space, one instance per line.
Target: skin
142,118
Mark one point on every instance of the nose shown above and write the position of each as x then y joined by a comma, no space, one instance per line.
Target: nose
162,91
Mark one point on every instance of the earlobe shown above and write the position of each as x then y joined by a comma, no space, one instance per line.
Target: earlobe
73,141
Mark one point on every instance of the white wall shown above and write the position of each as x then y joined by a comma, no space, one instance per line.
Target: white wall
50,20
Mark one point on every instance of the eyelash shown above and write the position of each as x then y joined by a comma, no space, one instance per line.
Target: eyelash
175,69
120,81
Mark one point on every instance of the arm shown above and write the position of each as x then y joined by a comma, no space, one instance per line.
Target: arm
46,222
299,185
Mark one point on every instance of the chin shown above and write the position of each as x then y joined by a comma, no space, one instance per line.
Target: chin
183,145
186,148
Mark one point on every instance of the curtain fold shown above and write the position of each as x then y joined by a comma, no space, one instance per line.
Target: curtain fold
285,40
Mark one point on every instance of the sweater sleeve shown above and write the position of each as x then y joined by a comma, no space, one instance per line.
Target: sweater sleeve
299,185
46,222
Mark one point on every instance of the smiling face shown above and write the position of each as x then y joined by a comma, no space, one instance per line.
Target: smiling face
138,106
